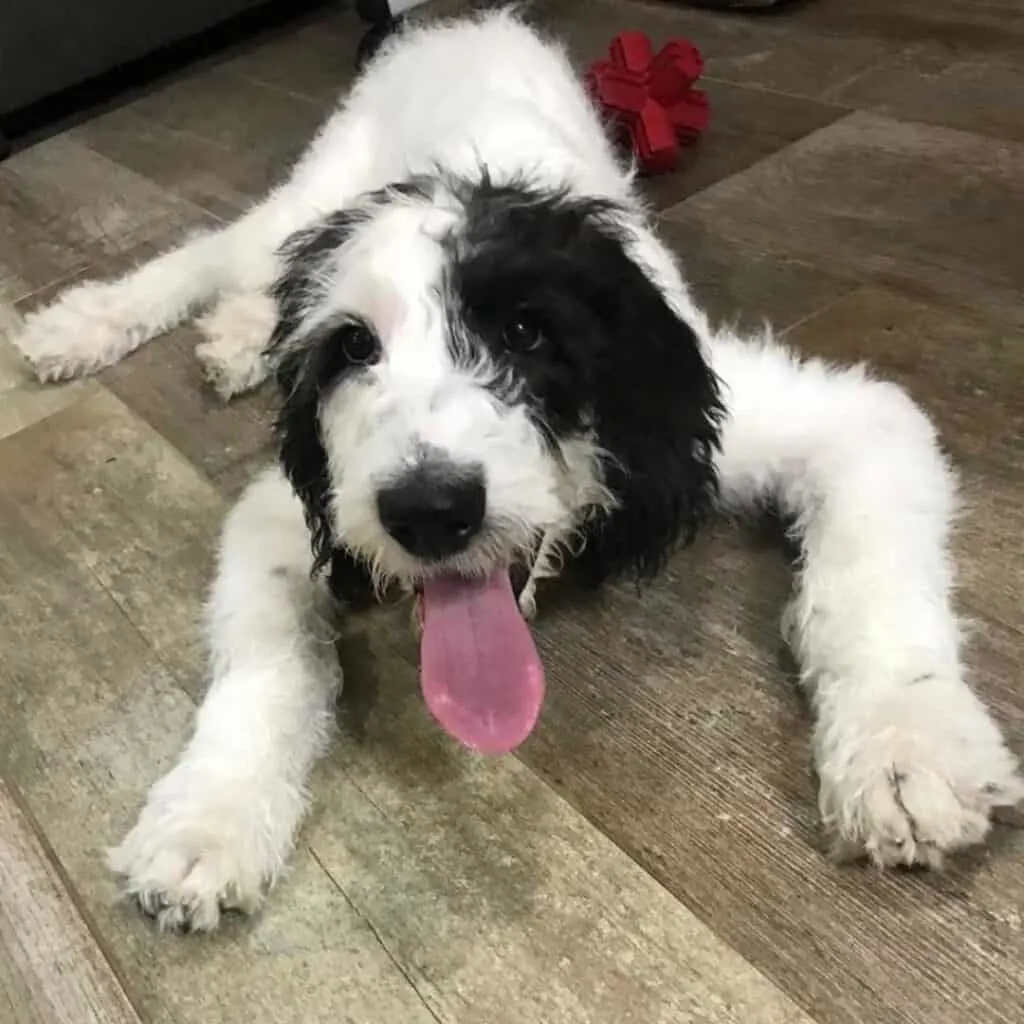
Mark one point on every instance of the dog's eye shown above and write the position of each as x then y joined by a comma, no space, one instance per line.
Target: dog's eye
359,344
522,334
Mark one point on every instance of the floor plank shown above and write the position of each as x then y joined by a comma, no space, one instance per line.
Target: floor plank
994,27
746,126
747,286
885,198
937,84
211,154
92,204
51,969
30,256
164,385
315,60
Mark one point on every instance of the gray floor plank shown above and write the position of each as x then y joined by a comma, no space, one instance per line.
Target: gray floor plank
51,969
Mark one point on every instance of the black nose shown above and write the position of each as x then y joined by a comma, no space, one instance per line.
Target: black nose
434,512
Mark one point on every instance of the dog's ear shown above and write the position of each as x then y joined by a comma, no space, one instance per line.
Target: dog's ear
301,449
305,366
656,414
304,461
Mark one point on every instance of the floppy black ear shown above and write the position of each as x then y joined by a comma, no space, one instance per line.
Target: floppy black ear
305,367
657,411
301,450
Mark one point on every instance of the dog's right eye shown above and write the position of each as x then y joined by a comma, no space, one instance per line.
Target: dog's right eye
359,344
522,334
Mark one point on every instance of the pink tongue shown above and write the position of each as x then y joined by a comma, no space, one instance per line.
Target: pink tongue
481,675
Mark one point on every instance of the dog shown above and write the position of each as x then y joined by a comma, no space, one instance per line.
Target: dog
491,367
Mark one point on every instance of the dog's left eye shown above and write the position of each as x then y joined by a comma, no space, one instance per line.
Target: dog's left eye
359,344
522,334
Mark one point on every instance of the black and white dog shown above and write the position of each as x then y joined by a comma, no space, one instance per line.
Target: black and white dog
489,362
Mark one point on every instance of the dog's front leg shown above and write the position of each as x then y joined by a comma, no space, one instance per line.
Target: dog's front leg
216,830
910,762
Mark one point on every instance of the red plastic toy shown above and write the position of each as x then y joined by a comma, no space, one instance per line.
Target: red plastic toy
650,98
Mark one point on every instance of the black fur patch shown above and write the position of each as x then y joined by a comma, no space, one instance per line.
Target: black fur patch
305,371
348,580
616,360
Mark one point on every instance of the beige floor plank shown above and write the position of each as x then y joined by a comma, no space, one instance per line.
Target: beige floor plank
164,384
994,27
51,969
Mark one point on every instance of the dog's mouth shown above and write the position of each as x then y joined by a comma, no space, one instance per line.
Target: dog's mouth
480,672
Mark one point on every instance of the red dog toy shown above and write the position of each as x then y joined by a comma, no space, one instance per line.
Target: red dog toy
650,98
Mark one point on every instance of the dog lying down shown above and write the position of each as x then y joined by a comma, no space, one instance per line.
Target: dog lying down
490,367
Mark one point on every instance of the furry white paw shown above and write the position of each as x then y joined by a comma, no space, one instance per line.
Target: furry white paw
237,331
200,847
86,329
911,776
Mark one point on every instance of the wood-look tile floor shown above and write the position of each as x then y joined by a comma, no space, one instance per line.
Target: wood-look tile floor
653,854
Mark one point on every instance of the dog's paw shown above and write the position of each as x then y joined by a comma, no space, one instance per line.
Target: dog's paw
910,778
228,371
237,331
85,330
200,847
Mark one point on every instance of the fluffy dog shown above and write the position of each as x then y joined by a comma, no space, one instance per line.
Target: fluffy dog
490,366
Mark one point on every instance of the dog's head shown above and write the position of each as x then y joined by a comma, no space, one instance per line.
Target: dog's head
468,368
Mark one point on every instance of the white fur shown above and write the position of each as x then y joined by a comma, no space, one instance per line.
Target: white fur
911,764
217,829
909,760
236,332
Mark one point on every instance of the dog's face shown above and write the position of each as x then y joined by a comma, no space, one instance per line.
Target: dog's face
468,369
